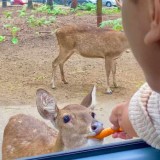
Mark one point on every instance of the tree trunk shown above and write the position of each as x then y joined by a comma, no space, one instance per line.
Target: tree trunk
4,3
30,4
50,3
65,2
74,4
99,12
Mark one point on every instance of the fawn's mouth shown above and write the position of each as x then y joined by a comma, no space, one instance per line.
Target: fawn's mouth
94,133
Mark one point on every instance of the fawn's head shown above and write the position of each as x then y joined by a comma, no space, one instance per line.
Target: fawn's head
74,122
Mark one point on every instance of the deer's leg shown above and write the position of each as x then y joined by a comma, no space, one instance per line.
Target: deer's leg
54,66
114,73
62,73
61,67
60,60
108,66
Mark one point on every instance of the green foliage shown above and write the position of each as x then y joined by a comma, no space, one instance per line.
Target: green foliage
85,13
110,11
84,9
42,8
7,14
22,12
58,11
87,7
72,10
55,11
114,24
90,8
13,30
2,38
14,40
7,25
34,22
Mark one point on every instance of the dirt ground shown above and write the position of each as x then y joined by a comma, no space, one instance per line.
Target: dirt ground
25,67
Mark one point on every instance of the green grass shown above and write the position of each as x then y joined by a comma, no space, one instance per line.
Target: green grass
114,24
110,11
35,22
90,8
56,10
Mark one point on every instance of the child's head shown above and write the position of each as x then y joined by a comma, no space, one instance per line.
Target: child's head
141,20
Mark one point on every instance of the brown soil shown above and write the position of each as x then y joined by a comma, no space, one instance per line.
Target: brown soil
27,66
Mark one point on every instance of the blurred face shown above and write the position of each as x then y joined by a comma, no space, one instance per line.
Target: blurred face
137,16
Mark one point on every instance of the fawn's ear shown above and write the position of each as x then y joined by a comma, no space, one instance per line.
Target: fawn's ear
90,99
46,105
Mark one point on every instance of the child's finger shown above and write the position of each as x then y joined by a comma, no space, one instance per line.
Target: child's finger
114,117
121,135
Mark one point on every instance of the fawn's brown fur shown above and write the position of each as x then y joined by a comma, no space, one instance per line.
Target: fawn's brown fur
26,136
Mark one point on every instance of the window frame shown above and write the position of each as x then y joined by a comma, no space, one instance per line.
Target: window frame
139,147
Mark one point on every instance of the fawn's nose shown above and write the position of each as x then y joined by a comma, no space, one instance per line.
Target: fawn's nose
97,127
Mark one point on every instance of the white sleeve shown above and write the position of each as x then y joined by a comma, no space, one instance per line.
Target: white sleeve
146,119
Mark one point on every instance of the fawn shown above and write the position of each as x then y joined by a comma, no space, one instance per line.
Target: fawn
25,135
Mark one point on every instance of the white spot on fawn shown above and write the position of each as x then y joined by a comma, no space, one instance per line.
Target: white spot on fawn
35,130
10,149
20,121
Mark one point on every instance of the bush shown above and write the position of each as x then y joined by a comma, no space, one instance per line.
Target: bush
114,24
34,22
87,7
110,10
54,11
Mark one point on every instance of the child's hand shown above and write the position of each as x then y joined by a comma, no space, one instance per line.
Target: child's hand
122,135
119,118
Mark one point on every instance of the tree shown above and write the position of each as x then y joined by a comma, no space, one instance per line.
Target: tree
30,4
4,3
65,2
99,12
50,3
74,4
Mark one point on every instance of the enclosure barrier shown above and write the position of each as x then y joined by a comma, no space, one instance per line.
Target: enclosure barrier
126,150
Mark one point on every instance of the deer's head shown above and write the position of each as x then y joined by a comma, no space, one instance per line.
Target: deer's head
75,122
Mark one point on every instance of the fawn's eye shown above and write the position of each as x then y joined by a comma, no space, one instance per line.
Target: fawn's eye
66,119
93,114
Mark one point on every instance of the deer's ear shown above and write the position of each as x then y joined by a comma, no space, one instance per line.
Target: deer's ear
90,99
46,104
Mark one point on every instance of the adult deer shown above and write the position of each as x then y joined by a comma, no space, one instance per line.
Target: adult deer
91,42
27,136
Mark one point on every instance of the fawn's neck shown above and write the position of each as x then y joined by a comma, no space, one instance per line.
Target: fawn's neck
59,146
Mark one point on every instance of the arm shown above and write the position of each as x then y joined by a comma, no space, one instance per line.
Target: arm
140,116
120,119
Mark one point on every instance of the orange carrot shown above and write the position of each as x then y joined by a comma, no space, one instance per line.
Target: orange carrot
106,132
